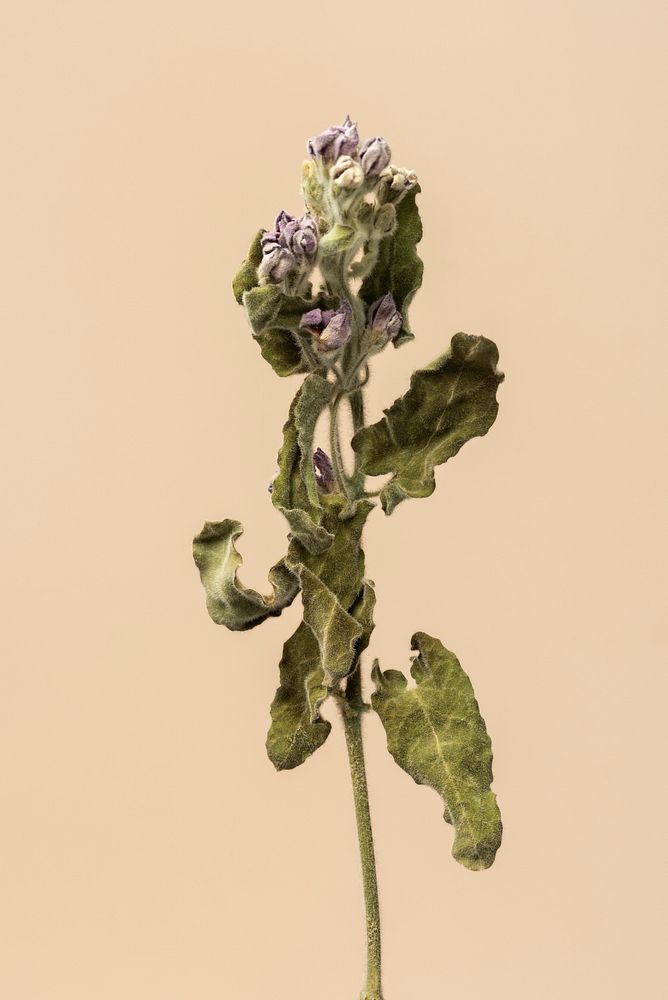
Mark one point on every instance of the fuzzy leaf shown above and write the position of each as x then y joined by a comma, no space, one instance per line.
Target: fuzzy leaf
295,491
448,403
398,268
297,730
246,277
336,632
332,580
436,734
228,601
274,319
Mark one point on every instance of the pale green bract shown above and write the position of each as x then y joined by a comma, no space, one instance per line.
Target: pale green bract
436,734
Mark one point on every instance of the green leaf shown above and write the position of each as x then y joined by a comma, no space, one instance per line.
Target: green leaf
295,491
448,403
337,612
274,319
246,277
228,601
398,268
436,734
335,631
297,730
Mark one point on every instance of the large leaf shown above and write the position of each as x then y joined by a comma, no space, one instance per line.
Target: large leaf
228,601
295,491
398,268
448,403
325,647
436,734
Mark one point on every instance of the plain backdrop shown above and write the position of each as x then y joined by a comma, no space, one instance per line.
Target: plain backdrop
148,849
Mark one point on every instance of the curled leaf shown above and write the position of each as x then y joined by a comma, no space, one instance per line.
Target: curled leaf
228,602
297,730
295,491
448,403
398,268
436,734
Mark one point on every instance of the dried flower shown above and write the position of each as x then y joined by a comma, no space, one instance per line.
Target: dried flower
324,473
347,173
331,329
335,141
290,241
394,182
384,318
375,155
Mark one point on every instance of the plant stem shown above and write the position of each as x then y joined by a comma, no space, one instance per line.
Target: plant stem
351,702
352,724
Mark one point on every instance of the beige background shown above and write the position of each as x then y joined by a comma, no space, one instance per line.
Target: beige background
148,851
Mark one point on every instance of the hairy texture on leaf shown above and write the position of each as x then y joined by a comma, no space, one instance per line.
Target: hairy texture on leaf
337,618
246,277
274,319
398,268
295,491
297,730
336,631
436,734
448,403
228,601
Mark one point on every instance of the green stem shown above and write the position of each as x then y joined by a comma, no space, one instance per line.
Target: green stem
335,445
352,724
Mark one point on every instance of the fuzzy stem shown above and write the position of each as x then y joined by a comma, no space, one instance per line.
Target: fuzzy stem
352,724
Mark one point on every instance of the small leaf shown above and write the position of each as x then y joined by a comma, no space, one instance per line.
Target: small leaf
436,734
295,491
310,666
398,268
337,240
362,611
228,601
448,403
246,277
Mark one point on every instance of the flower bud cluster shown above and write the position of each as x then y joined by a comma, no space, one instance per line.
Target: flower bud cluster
351,191
341,175
290,246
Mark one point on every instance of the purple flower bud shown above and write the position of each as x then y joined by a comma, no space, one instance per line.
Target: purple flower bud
316,320
338,330
375,155
290,241
300,236
335,141
384,318
324,473
331,329
276,262
282,219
